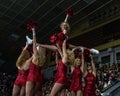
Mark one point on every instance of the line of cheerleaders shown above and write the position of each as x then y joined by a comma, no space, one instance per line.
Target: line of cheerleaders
29,79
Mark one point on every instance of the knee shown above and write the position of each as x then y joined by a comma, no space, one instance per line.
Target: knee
15,93
28,93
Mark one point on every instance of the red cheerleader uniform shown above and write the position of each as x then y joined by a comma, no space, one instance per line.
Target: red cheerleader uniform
90,89
61,74
61,38
34,73
76,82
21,78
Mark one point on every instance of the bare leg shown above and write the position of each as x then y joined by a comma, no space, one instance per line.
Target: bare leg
38,90
29,88
16,90
22,91
62,93
79,93
72,93
56,88
39,93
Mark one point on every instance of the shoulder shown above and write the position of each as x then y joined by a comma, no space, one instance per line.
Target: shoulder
60,34
94,73
72,67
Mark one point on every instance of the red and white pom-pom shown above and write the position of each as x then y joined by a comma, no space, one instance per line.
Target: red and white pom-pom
86,51
77,52
32,25
69,12
87,55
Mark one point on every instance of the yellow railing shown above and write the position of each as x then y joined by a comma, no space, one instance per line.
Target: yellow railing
78,31
108,45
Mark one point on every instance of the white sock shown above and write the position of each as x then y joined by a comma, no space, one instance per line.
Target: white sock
94,51
29,41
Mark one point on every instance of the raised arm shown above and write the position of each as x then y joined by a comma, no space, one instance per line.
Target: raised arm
65,56
34,41
59,50
51,47
26,46
82,66
93,66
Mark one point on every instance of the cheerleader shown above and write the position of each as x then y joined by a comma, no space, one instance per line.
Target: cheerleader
34,80
22,64
90,79
59,38
77,71
61,74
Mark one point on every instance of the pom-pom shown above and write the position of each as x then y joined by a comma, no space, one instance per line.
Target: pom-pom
69,12
53,38
58,38
31,25
86,52
87,55
77,53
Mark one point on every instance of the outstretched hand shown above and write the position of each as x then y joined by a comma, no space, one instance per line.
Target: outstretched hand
91,57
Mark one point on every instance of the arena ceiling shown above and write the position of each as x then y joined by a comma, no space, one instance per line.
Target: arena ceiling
15,14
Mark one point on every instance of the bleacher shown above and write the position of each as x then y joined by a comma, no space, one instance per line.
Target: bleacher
112,91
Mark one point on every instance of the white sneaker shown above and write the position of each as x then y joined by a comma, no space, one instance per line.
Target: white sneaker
29,41
94,51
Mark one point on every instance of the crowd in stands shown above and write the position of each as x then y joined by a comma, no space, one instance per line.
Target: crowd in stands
6,84
107,76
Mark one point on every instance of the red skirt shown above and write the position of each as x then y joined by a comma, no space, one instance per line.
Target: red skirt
34,73
21,78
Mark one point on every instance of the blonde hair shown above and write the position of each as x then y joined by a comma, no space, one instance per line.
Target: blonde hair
22,58
41,56
71,56
66,24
